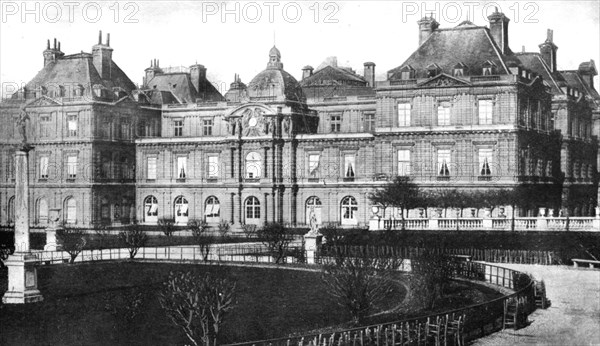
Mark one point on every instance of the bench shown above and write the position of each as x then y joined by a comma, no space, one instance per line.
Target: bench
578,261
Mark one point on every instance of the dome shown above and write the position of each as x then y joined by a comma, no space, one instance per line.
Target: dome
275,84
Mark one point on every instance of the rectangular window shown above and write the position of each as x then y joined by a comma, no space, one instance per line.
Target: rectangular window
44,125
405,75
213,166
125,130
370,122
443,118
151,172
72,125
349,166
485,112
71,167
336,123
207,126
181,167
44,167
403,162
313,165
178,126
486,162
403,114
443,162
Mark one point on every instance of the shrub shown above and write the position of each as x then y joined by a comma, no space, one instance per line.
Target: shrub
360,281
72,241
167,226
431,272
223,229
199,232
249,230
197,304
133,238
276,239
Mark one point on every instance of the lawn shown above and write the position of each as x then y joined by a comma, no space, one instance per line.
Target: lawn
87,304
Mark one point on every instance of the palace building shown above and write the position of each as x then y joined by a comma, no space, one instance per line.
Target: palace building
462,111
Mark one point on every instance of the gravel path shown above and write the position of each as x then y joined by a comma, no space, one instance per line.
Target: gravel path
573,318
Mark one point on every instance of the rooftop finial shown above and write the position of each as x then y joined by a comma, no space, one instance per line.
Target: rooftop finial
58,45
100,37
550,35
55,43
496,9
48,44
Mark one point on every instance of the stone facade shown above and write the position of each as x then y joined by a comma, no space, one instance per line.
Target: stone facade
480,118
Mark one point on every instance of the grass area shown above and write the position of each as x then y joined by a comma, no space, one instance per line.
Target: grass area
88,304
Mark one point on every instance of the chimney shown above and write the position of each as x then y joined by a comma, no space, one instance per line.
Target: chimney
427,26
369,73
587,71
102,58
151,71
307,71
52,54
548,50
197,75
499,30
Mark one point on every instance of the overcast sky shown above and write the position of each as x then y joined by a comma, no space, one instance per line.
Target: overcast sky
237,38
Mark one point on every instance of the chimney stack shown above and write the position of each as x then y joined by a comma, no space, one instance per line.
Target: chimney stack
587,71
151,71
52,54
102,58
499,30
369,73
427,26
307,71
548,50
197,75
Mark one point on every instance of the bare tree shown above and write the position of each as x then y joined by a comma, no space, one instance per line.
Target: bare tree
72,241
223,228
199,230
431,271
134,238
276,238
167,226
359,281
249,230
197,304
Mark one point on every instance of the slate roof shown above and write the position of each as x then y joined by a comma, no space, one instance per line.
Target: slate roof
468,44
332,81
574,81
535,63
180,85
79,69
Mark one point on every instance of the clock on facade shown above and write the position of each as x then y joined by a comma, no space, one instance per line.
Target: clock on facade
252,122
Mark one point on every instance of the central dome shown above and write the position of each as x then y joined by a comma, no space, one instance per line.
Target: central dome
274,84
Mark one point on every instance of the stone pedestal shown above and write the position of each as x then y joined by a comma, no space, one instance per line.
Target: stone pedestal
433,223
374,224
312,241
22,273
52,243
22,279
487,223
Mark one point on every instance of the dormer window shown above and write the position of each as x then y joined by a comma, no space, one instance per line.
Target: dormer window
489,68
78,90
407,72
433,70
459,70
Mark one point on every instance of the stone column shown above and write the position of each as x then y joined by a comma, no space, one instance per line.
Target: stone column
22,273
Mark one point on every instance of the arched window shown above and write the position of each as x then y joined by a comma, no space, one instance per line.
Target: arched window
212,211
252,210
253,166
181,210
313,206
70,210
349,211
42,211
150,209
11,210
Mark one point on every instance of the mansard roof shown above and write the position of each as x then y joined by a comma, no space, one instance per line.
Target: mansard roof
472,45
79,69
574,80
534,62
333,81
180,85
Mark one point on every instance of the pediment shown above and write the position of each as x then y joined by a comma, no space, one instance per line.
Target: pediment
43,101
444,80
250,120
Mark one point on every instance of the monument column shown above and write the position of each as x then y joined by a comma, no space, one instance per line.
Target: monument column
22,273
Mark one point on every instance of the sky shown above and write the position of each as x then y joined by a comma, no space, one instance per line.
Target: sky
230,37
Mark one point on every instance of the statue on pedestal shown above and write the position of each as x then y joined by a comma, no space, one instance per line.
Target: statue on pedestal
22,124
